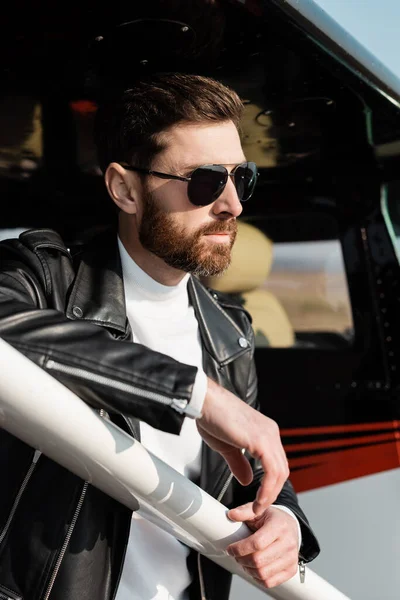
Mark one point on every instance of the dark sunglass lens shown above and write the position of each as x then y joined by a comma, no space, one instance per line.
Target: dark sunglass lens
206,184
246,176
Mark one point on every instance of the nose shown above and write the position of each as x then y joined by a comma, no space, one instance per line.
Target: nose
228,201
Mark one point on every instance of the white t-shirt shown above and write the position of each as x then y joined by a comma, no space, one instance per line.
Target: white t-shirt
162,319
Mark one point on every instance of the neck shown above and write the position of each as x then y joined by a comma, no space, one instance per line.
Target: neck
151,264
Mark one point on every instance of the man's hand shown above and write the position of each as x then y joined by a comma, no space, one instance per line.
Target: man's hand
270,555
228,425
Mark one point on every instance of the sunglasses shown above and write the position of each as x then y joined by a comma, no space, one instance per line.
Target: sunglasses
207,182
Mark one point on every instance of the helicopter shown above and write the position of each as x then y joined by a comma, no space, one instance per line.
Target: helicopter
317,258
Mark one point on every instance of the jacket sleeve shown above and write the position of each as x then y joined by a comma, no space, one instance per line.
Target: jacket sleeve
119,376
287,497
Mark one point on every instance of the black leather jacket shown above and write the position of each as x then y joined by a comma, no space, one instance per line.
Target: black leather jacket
61,538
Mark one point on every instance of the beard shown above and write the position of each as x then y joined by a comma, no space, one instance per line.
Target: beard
189,252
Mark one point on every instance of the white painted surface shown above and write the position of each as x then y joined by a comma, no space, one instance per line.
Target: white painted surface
6,234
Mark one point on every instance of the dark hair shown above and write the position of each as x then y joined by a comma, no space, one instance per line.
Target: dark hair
128,125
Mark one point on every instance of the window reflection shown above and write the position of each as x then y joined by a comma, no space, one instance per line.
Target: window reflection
309,280
296,293
21,136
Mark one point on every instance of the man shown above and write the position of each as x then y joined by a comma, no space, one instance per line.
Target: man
128,327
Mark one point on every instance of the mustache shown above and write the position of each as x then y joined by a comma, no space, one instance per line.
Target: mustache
219,227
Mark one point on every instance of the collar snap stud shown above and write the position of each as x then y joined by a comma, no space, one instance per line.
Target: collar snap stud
77,312
243,343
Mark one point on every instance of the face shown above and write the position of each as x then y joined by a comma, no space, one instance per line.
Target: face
190,238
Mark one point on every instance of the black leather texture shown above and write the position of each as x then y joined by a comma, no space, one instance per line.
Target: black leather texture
67,305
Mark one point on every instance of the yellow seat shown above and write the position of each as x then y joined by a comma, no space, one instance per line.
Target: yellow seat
246,277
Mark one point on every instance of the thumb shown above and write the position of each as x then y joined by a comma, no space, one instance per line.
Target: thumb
239,465
244,512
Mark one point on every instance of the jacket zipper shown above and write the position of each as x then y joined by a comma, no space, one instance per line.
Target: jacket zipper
71,528
302,569
19,495
225,487
66,541
200,570
201,578
6,595
178,404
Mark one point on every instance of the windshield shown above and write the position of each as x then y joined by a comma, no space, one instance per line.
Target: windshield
374,24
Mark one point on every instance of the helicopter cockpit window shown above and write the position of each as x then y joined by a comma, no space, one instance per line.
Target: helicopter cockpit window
294,288
308,280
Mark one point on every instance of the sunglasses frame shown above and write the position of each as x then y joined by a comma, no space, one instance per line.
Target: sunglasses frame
189,179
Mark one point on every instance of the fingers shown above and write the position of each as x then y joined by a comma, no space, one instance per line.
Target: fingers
245,513
267,554
266,446
239,465
268,491
229,425
273,525
276,471
257,542
272,565
274,574
242,513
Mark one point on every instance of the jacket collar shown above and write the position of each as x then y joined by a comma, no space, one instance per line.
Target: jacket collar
220,335
98,291
98,296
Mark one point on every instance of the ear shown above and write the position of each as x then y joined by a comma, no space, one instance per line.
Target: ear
123,186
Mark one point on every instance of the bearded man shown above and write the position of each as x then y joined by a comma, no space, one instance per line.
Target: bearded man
131,330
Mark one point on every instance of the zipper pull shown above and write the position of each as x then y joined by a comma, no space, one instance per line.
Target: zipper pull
302,571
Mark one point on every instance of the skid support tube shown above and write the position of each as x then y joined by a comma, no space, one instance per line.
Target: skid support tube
43,413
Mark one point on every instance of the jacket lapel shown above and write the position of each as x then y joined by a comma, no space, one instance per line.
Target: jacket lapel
97,294
221,336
